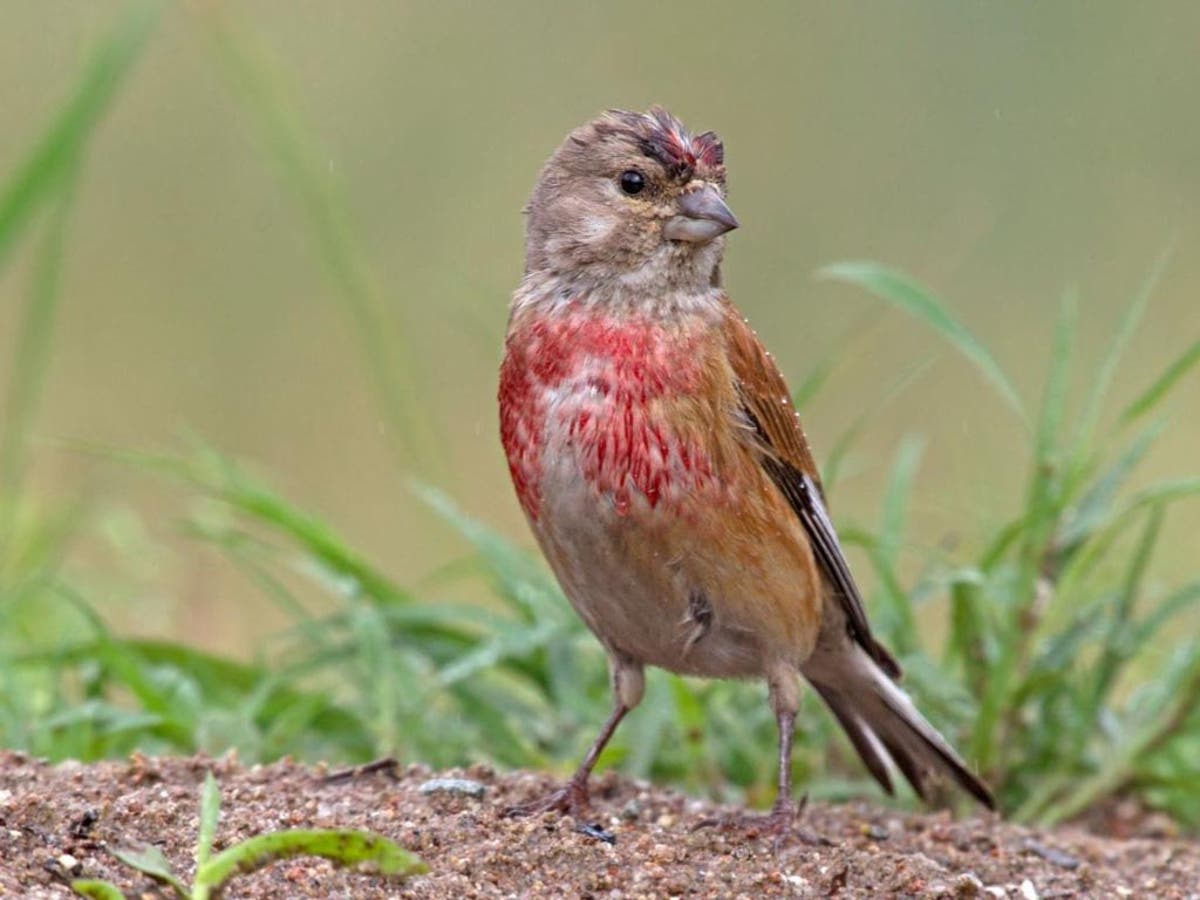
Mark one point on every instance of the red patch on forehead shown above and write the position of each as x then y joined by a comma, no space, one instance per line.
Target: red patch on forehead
662,137
671,144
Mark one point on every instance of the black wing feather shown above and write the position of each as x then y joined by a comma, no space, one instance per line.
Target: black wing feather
804,496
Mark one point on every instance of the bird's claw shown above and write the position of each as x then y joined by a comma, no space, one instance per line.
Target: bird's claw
570,800
779,825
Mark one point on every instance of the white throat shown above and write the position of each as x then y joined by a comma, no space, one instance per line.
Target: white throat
675,279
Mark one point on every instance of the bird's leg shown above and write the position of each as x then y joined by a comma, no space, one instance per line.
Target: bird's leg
779,823
783,812
573,798
785,701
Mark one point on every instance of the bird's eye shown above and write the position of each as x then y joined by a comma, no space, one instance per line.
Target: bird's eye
632,182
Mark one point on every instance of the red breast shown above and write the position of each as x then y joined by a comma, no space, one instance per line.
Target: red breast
617,393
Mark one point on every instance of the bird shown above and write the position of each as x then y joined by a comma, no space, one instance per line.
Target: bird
662,467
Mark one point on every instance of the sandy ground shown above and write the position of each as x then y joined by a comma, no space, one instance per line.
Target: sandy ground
58,821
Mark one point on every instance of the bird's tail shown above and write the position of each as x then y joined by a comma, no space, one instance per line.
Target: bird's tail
883,724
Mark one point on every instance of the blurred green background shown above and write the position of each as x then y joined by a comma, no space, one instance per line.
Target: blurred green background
1000,153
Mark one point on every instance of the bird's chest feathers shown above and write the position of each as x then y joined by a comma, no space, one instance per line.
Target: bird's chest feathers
620,409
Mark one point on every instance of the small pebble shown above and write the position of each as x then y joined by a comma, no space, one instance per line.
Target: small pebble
1028,891
876,832
662,853
967,885
459,787
1050,854
69,864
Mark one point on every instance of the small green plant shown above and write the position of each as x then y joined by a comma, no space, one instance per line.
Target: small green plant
363,850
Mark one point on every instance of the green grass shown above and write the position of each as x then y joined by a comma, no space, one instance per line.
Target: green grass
293,155
1064,675
45,181
1055,650
352,849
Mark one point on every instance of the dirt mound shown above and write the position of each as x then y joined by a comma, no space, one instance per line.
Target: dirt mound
69,815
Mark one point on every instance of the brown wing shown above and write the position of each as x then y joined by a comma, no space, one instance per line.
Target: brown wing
784,454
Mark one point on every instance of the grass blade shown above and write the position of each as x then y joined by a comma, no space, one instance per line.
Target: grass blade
1116,645
836,353
50,171
834,462
1108,367
1100,539
896,619
389,357
151,863
1162,385
897,615
31,353
966,641
900,291
812,383
61,144
210,814
97,890
222,478
520,582
1055,395
1095,505
344,848
1178,602
895,500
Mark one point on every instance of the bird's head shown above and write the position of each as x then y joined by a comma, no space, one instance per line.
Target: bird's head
631,199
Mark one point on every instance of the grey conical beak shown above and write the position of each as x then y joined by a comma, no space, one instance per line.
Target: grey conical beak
704,215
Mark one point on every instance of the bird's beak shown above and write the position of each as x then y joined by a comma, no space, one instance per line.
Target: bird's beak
703,215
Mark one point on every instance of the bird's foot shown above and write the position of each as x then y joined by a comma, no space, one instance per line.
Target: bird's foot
779,825
569,800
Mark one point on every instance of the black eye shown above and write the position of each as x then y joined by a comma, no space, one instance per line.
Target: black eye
632,182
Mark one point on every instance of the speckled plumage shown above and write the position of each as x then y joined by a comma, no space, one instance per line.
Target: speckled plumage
659,461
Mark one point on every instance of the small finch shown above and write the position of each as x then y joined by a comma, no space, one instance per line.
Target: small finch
663,470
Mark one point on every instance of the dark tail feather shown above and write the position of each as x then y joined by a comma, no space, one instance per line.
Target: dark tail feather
863,739
883,724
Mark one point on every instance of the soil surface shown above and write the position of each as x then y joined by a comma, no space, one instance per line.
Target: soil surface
60,821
